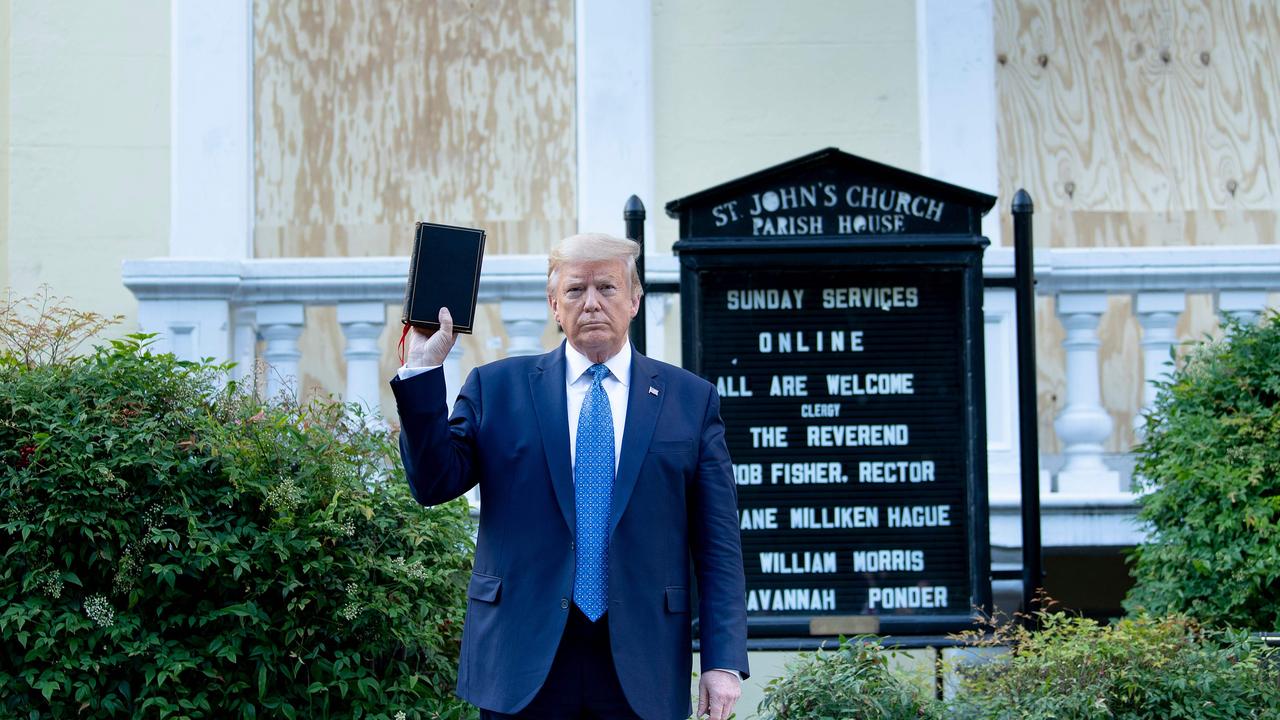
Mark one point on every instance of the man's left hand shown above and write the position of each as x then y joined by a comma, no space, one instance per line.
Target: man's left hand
718,691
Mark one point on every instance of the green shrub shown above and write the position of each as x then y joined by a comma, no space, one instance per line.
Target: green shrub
852,681
174,548
1211,460
1135,669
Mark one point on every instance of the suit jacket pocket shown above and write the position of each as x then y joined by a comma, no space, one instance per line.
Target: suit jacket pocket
677,600
485,588
671,446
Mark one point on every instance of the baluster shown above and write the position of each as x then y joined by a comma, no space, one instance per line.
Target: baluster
1084,424
525,320
1244,305
1158,315
362,323
281,326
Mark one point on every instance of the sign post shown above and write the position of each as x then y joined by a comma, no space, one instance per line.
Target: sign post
836,304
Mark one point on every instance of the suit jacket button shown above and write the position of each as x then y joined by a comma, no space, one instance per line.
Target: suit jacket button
564,603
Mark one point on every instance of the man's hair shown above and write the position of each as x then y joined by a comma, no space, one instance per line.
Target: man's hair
593,247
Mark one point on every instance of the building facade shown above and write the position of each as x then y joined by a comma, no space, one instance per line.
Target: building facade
243,177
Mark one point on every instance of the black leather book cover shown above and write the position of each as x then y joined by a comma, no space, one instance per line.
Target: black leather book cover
444,271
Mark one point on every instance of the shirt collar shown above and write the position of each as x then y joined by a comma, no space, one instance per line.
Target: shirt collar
577,364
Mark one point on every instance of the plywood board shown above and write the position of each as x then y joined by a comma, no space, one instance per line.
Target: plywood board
370,116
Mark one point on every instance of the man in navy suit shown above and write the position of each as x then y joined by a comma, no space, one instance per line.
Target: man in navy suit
603,475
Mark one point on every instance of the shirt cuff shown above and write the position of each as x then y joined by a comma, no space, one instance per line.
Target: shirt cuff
734,673
406,372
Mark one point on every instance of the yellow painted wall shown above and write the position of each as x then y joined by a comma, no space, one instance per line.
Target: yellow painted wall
88,146
743,84
370,116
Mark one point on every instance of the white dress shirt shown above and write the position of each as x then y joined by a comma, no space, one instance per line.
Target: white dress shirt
578,382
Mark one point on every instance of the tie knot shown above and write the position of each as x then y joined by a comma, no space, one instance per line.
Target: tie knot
599,372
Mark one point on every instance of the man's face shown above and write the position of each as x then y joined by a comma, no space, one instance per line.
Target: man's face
594,304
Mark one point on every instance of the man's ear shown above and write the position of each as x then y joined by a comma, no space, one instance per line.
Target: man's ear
636,299
551,303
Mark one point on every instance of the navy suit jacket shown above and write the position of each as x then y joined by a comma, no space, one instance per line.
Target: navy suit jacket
674,501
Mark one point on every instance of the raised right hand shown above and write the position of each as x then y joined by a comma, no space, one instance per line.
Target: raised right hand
428,348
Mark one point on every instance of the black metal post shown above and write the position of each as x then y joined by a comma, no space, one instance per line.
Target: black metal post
633,218
1028,441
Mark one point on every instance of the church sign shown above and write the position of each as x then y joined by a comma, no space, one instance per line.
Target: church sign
836,304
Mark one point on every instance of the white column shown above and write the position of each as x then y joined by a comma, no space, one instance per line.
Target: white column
1244,305
245,342
657,307
211,124
614,113
1084,424
362,323
957,96
281,325
525,320
1001,361
186,303
1157,313
453,374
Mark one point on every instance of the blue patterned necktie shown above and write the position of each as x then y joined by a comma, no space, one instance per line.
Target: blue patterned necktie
593,496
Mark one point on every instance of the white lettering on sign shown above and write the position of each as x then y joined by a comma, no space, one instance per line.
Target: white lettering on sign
870,298
733,386
797,563
920,516
725,213
748,474
815,341
835,518
896,471
769,436
783,225
877,561
898,598
820,410
867,197
759,519
789,386
856,209
806,473
794,197
764,299
766,600
856,435
871,384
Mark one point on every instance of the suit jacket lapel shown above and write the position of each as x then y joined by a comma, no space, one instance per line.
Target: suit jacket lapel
549,401
642,417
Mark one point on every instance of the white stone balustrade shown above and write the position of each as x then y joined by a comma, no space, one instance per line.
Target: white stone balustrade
221,308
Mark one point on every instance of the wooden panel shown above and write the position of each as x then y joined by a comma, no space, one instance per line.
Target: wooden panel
369,116
1168,110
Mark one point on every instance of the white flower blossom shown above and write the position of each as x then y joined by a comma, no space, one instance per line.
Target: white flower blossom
350,612
100,611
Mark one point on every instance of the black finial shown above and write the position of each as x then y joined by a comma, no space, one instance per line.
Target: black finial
634,209
1022,202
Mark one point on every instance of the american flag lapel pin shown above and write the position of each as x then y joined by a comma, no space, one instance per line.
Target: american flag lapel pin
653,391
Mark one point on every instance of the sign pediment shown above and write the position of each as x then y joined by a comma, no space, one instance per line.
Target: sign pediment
830,193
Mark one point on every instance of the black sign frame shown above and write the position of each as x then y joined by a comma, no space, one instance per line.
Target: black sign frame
959,253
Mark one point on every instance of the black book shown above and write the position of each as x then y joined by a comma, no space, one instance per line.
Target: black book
444,271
